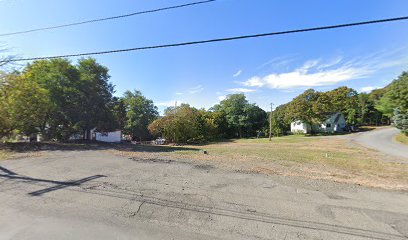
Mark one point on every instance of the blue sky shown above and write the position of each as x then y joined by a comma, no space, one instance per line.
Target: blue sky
272,69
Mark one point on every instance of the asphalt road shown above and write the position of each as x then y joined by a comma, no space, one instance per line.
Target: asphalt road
382,140
96,195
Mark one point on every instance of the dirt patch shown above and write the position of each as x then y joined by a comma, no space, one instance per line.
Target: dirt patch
204,166
327,158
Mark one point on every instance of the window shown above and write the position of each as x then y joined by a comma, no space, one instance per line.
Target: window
328,125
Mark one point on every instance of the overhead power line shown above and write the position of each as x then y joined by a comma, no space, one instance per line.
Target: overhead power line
105,19
217,39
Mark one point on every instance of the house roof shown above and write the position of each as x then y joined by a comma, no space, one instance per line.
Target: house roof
336,120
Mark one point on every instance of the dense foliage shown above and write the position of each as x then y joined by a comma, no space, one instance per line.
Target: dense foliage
140,112
236,117
59,99
394,102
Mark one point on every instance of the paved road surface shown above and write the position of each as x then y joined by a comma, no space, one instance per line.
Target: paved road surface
382,140
95,195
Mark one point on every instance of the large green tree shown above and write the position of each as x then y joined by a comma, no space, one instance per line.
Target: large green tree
345,100
184,124
242,118
23,105
394,102
95,95
313,107
80,94
303,108
140,112
368,114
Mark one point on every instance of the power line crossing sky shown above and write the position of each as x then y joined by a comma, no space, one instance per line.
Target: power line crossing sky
266,70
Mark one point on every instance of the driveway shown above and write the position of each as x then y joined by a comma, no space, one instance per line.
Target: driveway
96,195
382,140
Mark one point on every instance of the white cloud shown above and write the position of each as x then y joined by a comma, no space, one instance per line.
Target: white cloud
254,82
240,90
279,62
222,98
368,89
315,73
179,93
196,89
237,73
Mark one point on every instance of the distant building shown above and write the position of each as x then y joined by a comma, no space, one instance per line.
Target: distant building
335,123
300,127
115,136
112,137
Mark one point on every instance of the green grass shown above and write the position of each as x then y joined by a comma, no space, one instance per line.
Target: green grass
402,138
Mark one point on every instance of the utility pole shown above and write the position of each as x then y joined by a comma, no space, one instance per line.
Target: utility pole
175,114
270,123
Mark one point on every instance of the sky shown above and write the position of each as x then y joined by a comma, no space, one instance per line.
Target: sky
267,70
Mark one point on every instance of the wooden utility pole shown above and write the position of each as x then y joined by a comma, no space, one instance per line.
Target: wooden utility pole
270,123
175,114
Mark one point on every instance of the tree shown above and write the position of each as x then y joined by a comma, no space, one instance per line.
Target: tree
345,100
280,122
241,118
394,102
395,95
23,105
368,114
95,93
303,108
81,96
61,80
256,120
5,59
140,113
185,124
401,120
312,107
118,108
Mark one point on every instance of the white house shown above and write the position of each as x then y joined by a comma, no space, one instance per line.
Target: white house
300,127
111,137
335,123
114,136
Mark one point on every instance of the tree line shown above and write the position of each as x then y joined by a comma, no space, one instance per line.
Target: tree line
58,99
379,107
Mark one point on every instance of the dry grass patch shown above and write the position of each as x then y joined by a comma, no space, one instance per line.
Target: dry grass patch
402,138
329,158
4,155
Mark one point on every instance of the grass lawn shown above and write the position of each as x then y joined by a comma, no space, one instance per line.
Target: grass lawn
402,138
332,158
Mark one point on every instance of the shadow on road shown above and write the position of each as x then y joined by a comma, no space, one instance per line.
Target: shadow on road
58,184
249,215
6,171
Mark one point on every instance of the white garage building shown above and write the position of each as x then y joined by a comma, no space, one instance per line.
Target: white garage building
111,137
